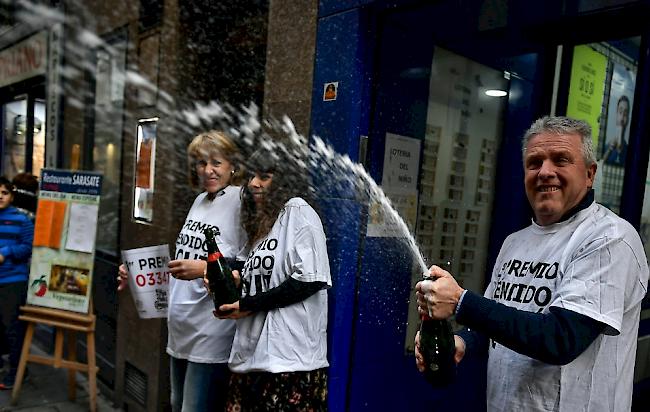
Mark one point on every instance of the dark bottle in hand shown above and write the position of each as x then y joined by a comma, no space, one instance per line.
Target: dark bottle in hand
219,274
437,348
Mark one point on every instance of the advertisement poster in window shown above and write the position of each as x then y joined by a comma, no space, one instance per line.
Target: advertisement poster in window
619,112
587,86
64,240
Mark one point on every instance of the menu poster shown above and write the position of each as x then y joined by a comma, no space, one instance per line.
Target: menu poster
63,252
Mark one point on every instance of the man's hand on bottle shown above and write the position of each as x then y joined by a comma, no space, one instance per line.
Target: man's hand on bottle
459,354
438,297
187,269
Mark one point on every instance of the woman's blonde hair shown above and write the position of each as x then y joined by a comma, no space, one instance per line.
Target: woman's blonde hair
206,144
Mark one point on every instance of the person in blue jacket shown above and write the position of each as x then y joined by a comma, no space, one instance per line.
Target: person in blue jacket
16,235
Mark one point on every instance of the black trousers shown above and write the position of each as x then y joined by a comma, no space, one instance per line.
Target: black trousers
12,297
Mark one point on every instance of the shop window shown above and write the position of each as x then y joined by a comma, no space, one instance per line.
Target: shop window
463,132
464,127
107,149
601,92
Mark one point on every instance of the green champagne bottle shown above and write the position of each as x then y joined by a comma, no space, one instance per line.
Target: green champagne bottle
437,347
219,274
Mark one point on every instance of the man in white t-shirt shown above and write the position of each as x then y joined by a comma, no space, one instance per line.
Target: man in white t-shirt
560,316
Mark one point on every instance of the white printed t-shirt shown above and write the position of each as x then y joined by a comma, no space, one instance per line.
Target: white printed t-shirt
593,264
292,338
194,333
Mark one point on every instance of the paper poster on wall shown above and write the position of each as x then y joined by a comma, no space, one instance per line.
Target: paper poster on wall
382,221
399,182
619,112
64,240
145,166
587,87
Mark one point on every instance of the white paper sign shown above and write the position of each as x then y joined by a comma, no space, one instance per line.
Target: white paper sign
148,279
82,227
399,182
401,162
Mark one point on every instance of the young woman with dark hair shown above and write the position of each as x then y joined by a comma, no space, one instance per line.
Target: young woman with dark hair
279,354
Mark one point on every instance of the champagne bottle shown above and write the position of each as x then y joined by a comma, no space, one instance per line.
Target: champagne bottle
222,285
437,348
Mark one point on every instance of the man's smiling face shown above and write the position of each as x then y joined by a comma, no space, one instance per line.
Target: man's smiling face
556,176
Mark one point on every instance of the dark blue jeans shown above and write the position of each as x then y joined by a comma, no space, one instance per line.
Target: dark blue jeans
198,387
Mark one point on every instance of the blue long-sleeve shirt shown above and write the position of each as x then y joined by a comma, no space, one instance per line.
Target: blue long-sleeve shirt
16,236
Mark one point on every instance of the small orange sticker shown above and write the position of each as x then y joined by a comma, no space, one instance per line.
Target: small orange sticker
330,91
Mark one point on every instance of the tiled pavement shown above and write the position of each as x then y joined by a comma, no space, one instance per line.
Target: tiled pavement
45,390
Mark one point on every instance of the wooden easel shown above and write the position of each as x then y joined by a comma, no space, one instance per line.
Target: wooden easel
71,323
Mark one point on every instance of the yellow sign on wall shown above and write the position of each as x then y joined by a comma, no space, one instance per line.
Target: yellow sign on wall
587,87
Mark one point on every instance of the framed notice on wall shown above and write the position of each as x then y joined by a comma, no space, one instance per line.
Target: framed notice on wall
64,240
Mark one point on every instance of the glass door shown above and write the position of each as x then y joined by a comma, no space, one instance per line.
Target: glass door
14,116
23,133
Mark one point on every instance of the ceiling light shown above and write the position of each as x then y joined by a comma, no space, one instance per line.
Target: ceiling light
496,93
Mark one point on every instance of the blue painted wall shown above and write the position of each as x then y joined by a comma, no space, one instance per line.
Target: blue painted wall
341,57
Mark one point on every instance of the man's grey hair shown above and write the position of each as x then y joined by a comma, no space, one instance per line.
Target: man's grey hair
563,125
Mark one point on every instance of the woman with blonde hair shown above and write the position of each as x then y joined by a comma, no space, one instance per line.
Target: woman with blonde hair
198,344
